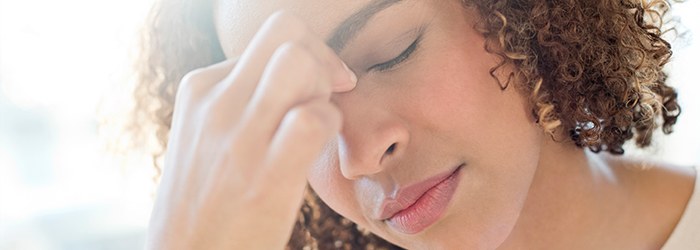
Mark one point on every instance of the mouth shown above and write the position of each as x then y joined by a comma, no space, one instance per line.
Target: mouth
420,205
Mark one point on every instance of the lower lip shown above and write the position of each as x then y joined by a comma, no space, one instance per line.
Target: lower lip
427,209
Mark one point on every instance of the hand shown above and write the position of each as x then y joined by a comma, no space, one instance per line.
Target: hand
244,135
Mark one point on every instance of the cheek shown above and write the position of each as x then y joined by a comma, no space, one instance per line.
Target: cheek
334,190
493,131
492,128
462,100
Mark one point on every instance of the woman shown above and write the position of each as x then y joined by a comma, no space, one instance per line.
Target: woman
441,124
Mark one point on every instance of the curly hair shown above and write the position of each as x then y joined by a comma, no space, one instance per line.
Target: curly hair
592,70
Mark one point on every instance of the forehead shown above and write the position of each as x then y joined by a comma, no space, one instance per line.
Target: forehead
238,20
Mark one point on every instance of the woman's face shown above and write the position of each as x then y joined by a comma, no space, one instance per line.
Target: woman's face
425,115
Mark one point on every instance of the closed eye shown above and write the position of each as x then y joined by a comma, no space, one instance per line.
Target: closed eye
393,63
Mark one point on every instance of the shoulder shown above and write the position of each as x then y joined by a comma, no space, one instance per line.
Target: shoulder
654,179
660,194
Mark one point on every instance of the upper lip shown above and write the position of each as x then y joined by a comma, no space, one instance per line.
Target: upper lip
408,195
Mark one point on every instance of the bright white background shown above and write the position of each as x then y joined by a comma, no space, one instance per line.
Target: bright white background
59,189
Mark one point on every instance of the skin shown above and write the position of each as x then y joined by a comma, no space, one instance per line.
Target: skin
222,147
518,189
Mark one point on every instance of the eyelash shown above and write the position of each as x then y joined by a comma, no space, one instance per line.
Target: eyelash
391,64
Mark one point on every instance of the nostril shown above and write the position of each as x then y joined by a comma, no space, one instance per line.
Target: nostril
391,149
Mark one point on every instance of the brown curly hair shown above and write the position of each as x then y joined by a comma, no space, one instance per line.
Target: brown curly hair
593,72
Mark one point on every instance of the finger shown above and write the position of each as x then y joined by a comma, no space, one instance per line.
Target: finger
299,142
280,28
293,76
199,82
196,85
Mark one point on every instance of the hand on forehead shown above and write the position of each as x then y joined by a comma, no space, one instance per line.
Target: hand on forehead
238,20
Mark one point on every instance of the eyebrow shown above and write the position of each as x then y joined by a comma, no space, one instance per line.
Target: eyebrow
349,28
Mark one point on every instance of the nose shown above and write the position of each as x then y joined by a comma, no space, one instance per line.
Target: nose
371,141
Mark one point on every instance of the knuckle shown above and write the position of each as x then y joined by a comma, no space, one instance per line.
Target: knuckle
307,122
290,49
305,64
296,78
194,76
299,58
193,82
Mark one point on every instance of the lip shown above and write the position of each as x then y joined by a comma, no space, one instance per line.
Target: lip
420,205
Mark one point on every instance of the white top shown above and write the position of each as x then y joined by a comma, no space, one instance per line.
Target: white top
686,235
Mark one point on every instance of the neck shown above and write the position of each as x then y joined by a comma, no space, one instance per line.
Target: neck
570,201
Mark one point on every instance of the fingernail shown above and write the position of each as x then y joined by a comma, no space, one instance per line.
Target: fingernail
353,77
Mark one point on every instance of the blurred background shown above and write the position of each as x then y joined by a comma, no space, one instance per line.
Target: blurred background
64,69
64,74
